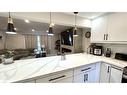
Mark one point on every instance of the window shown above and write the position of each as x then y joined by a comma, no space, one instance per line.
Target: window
38,43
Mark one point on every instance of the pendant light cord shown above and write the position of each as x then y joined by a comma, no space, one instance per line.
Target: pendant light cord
9,15
75,20
50,18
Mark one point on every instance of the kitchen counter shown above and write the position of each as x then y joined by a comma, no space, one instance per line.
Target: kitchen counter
33,68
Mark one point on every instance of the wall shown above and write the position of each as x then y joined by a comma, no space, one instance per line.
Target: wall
85,41
2,41
15,42
12,41
78,41
115,48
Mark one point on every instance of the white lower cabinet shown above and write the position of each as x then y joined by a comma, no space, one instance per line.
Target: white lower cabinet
110,73
105,72
31,81
60,77
116,74
85,74
99,72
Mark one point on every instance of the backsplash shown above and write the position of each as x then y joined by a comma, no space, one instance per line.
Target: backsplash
115,48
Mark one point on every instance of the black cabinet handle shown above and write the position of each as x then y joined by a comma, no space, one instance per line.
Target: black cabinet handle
57,78
108,69
85,69
104,36
85,77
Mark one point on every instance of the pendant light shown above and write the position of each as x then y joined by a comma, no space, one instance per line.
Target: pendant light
75,28
50,31
10,26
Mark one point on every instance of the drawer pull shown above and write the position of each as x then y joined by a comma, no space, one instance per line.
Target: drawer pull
57,78
85,69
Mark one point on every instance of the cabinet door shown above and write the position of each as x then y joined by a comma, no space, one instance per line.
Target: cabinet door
99,29
117,27
116,75
105,73
87,77
81,78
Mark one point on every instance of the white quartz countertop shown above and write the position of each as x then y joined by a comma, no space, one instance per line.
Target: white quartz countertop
32,68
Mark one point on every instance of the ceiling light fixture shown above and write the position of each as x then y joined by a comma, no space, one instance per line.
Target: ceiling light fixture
33,30
75,28
10,26
27,21
50,30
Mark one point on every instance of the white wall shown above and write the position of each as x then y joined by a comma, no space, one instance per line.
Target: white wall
57,18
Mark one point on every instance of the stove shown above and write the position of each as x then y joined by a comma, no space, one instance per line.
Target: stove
122,56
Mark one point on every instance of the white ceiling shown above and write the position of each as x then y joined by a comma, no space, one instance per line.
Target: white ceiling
88,15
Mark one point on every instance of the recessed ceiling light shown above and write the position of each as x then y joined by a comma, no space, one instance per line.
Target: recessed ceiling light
27,21
33,30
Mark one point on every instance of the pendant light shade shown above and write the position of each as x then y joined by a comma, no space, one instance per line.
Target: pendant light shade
75,33
10,26
75,28
50,30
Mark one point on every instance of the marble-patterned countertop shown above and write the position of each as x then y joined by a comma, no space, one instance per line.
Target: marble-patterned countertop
31,68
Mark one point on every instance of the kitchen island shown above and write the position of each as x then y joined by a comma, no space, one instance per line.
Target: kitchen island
31,70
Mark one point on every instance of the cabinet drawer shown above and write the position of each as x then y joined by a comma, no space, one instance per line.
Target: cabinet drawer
84,69
28,81
56,77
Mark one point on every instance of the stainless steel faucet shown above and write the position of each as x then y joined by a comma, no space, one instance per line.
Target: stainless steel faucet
63,56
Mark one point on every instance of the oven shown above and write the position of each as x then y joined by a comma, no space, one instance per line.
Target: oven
122,56
124,76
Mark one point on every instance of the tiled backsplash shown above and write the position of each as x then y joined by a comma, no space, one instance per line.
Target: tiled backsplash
115,48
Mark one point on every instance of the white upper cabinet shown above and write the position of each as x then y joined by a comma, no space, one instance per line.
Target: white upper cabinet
110,28
117,27
99,29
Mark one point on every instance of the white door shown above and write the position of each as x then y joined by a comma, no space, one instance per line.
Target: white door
116,75
105,73
99,29
117,27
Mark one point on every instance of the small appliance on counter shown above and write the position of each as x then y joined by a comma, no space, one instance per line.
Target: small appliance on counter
108,52
95,49
90,49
